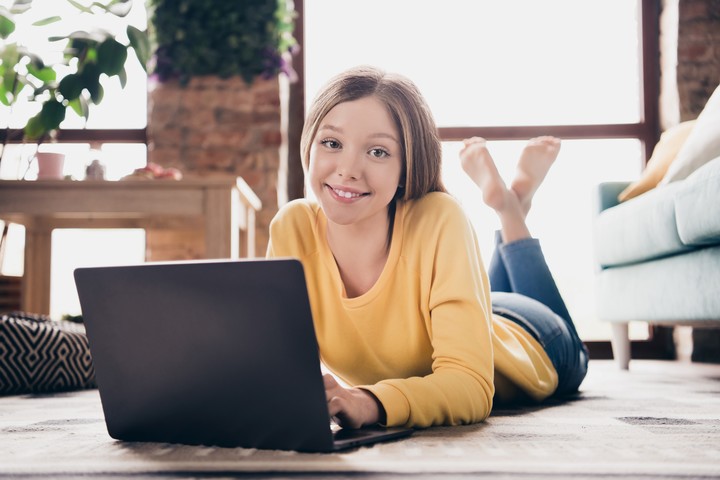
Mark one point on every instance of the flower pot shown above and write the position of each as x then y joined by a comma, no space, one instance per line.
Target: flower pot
50,165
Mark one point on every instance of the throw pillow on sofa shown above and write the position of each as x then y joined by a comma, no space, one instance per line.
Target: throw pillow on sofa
701,146
662,157
39,355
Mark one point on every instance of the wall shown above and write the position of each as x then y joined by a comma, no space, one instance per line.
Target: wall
216,126
698,54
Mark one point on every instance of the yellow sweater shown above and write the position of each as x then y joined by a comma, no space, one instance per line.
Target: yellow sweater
423,339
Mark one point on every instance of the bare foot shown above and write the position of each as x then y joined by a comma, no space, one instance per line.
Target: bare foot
535,161
480,167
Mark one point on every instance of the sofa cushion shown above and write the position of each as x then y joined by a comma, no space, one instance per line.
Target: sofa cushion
677,289
640,229
662,157
697,206
701,146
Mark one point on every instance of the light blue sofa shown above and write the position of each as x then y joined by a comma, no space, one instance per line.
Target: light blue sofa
658,255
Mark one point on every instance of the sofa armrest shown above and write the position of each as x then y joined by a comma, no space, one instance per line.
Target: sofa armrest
607,193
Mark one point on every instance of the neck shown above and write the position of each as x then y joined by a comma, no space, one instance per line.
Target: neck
360,253
369,238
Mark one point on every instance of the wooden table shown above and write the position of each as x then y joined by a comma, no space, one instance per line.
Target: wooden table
224,207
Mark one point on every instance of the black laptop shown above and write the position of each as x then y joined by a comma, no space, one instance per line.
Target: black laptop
211,353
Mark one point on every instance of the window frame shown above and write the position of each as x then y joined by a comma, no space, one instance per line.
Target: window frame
83,135
646,130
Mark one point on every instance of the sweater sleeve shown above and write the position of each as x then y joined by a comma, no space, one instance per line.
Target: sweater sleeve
460,388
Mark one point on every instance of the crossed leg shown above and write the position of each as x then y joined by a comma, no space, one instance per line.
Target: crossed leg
511,204
518,264
533,165
535,161
524,289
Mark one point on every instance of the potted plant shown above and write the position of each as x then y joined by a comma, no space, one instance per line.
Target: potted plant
216,93
250,39
89,59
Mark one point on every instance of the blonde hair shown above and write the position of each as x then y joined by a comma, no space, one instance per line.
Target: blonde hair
421,150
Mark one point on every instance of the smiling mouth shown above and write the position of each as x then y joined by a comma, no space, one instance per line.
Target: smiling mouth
346,194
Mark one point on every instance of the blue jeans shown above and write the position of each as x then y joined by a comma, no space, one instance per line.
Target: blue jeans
523,290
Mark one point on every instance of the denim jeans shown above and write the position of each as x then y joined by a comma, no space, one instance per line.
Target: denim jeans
524,291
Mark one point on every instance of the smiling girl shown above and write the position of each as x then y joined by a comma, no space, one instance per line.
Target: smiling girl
400,297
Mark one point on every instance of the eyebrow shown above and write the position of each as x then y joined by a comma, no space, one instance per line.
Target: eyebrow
374,135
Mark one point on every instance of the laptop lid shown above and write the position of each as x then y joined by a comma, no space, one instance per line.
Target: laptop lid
211,352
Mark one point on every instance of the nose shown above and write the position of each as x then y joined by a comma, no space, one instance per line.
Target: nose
349,165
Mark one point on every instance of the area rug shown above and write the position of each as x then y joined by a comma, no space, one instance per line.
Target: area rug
657,420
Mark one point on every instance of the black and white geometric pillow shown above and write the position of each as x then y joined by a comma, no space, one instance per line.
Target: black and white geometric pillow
40,355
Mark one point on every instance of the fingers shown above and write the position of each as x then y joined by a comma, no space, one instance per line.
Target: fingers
343,406
333,390
340,409
337,404
332,387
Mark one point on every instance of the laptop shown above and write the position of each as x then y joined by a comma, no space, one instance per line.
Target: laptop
217,353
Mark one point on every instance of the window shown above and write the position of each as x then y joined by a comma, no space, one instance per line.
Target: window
115,133
120,117
507,71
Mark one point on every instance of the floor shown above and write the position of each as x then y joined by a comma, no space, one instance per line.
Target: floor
660,419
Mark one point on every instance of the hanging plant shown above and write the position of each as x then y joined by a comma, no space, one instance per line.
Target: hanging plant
249,38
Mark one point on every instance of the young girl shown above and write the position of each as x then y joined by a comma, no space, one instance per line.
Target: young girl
400,298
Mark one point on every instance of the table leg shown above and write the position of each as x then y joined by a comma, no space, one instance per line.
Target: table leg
221,223
36,276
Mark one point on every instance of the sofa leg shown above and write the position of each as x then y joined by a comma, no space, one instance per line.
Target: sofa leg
621,345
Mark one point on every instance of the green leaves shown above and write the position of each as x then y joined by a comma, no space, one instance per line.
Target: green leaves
21,6
216,37
47,21
90,57
71,86
51,114
7,26
140,42
119,8
111,56
8,58
37,69
90,77
49,119
81,107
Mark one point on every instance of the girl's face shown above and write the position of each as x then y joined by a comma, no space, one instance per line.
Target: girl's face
355,162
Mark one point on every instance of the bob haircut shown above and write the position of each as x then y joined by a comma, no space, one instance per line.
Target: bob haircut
421,151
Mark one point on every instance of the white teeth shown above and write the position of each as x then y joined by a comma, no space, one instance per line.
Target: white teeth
345,194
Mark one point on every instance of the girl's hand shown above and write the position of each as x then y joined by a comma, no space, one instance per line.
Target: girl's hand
351,407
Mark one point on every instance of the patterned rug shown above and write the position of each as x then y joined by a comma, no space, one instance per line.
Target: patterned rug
657,420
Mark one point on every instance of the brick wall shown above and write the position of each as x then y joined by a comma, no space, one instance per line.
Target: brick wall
216,126
698,54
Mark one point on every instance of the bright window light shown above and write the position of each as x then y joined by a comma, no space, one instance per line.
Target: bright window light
511,63
486,62
88,248
119,109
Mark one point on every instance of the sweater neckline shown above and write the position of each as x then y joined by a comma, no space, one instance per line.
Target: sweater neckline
393,256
